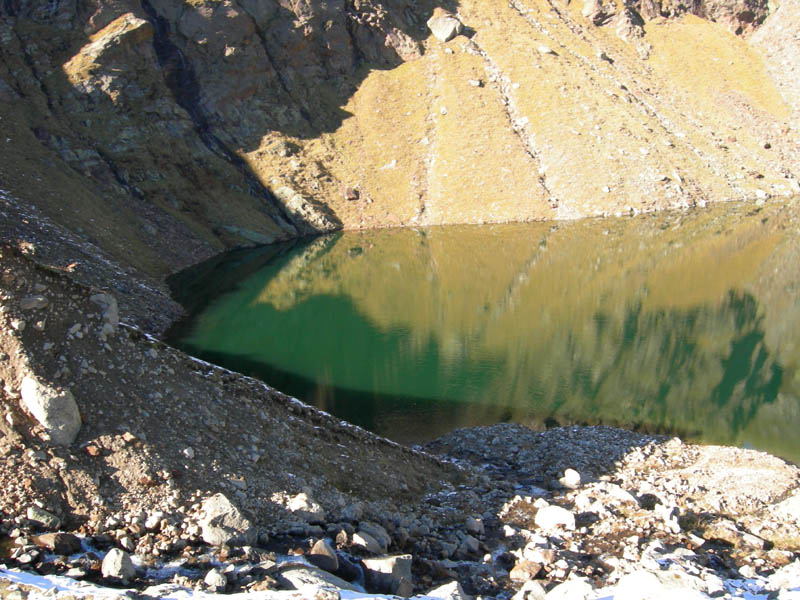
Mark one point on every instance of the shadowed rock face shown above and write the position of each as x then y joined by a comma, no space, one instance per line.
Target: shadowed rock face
177,129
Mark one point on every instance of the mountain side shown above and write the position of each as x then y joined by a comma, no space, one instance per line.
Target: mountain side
163,132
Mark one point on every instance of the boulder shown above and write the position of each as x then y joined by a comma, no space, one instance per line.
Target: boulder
449,591
117,564
444,26
42,518
377,532
59,543
215,581
367,542
56,410
299,577
222,523
390,575
323,556
304,507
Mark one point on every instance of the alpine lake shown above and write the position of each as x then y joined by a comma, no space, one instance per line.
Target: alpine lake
684,323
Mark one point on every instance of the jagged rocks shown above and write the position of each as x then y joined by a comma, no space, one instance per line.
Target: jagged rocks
444,26
224,524
56,410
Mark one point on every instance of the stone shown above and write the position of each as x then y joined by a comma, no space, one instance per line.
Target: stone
215,581
571,479
575,589
299,577
543,49
42,518
60,543
449,591
552,517
56,410
33,302
444,26
323,555
377,532
530,590
470,545
117,564
390,575
474,526
222,523
524,570
305,508
108,304
367,542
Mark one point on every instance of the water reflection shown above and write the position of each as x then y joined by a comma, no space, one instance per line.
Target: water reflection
673,323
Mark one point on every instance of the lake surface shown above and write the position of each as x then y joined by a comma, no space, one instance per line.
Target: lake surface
686,324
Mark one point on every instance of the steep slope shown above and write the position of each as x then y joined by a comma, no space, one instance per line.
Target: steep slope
163,132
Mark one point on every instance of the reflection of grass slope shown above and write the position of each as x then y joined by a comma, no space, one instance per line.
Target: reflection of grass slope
652,322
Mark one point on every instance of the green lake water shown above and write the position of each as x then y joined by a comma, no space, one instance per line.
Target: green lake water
686,324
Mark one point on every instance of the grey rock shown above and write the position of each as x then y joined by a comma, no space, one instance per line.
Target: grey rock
323,556
117,564
377,532
554,517
524,570
56,410
475,526
298,577
367,542
390,575
42,518
305,508
222,523
449,591
530,590
33,302
445,27
215,581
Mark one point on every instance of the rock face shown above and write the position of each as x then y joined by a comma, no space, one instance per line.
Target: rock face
224,524
56,410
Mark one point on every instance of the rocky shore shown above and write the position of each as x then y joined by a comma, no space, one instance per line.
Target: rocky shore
128,465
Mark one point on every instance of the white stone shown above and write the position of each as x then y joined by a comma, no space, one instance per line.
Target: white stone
56,410
445,27
571,479
367,542
391,575
554,517
215,581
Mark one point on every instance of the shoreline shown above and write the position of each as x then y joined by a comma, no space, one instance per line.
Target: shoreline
162,432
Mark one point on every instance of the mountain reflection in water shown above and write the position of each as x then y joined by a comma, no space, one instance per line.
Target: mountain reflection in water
680,323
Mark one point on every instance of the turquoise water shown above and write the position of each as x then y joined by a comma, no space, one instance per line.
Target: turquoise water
681,324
